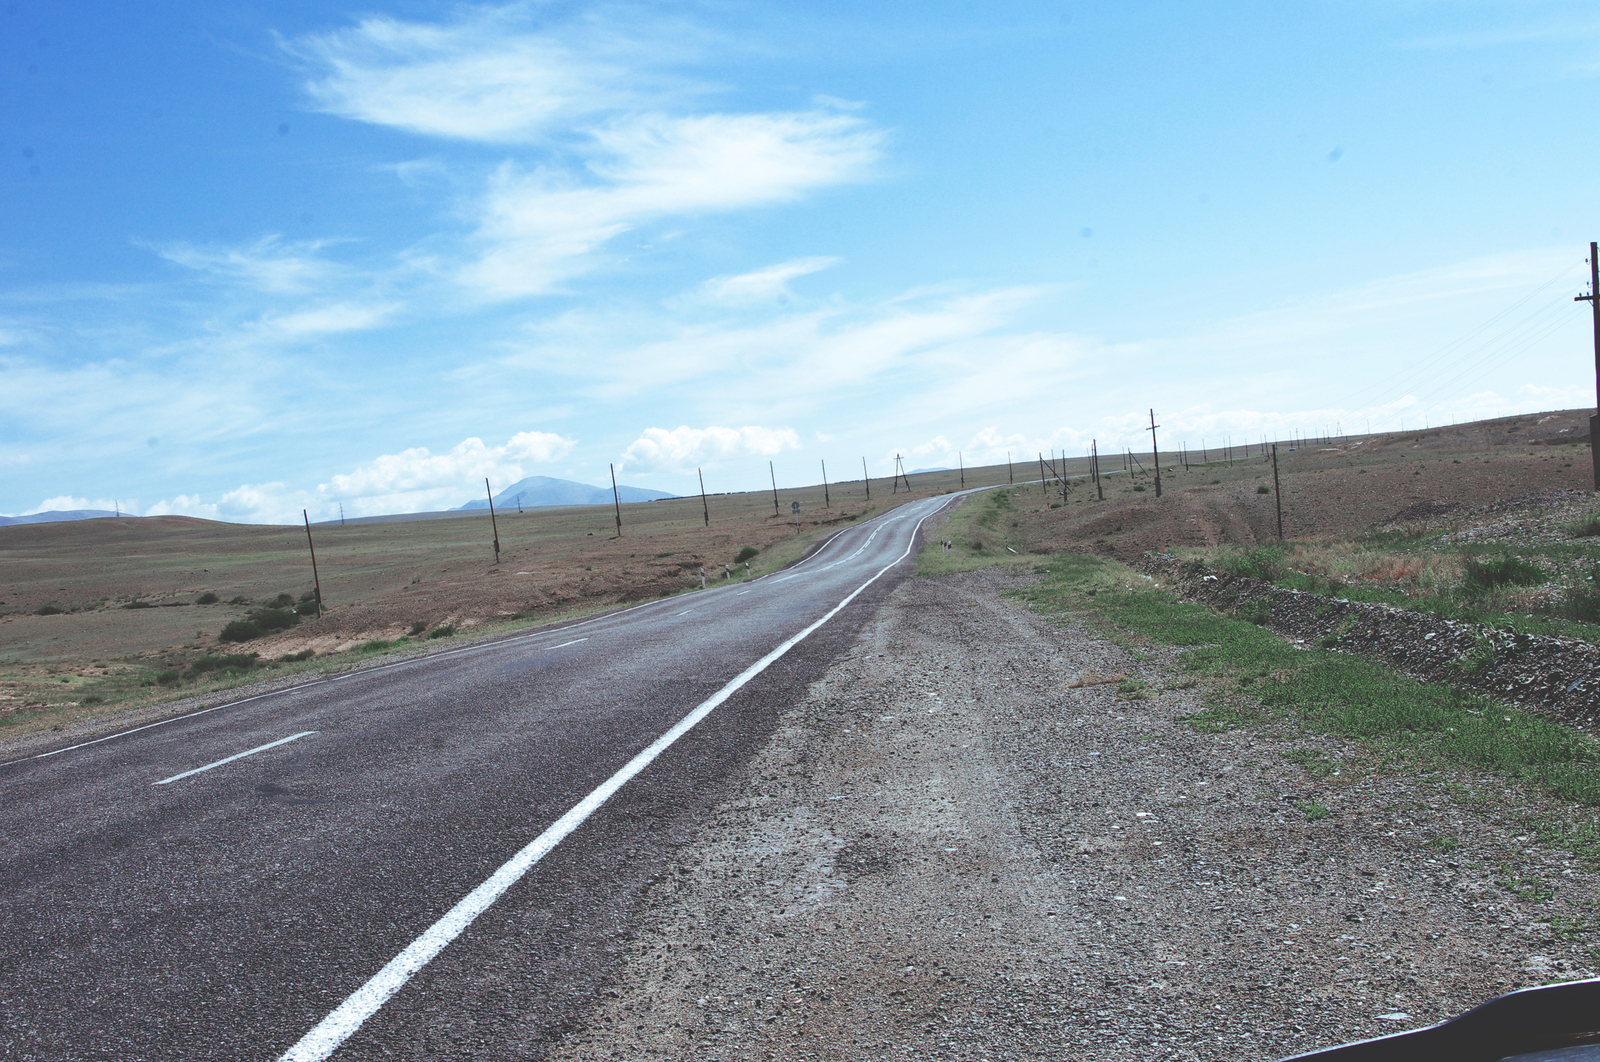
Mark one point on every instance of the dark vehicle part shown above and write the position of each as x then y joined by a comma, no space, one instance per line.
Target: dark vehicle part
1547,1024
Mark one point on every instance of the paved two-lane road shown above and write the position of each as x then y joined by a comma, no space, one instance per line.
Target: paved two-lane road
378,865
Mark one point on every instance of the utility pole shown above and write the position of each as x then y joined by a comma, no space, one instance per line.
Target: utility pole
1094,466
773,473
703,506
826,502
1155,452
866,481
616,499
1009,477
495,524
341,514
316,581
1593,299
1276,497
960,464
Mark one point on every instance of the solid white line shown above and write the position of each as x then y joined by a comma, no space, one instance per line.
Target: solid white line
330,1032
240,755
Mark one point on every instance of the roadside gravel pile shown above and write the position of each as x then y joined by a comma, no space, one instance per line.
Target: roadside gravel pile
1560,676
985,835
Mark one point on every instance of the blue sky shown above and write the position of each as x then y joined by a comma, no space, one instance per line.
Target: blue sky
258,257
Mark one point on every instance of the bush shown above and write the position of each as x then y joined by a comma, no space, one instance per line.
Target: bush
442,632
240,631
136,603
1259,562
1479,577
281,601
418,627
167,678
48,610
233,662
1583,605
207,598
1587,527
1262,488
240,600
745,554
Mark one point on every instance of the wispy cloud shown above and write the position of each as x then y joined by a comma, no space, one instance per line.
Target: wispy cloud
764,285
269,265
601,140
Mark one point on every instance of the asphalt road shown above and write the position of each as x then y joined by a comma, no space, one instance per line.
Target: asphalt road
378,865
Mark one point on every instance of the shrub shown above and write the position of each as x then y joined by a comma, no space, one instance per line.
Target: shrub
207,598
1582,604
442,632
240,631
1262,488
417,628
1479,577
1136,486
294,658
92,699
136,603
167,678
1259,562
281,601
1587,527
48,610
232,662
240,600
745,554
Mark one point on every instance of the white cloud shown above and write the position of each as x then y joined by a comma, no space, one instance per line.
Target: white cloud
685,448
417,480
489,76
324,320
63,503
764,285
538,227
185,505
268,265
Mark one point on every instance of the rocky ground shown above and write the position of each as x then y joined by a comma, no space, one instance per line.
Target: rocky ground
967,842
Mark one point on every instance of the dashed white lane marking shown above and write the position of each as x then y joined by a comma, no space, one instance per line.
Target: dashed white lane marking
240,755
563,645
741,593
364,1002
686,611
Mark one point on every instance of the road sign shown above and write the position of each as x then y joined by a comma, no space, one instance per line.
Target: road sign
794,507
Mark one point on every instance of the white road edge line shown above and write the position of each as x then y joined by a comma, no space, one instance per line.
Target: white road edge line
330,1032
239,756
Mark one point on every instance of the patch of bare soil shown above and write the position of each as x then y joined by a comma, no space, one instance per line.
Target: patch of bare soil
965,842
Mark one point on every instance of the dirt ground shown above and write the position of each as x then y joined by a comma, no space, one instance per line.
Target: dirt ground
962,844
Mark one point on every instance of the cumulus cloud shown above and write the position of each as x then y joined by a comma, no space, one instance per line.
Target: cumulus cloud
64,503
684,448
764,285
416,480
186,505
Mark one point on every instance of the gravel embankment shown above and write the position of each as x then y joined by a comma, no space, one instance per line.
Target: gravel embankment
951,848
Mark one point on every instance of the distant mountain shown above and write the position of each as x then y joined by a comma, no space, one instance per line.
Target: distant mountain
540,491
56,516
917,471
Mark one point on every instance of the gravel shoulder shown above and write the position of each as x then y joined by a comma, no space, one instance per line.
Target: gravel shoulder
960,843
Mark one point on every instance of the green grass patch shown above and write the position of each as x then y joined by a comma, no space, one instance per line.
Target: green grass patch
1259,677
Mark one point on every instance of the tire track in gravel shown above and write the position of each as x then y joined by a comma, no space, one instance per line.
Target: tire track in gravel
947,850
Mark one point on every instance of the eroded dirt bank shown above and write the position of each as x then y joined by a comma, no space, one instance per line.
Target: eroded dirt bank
962,844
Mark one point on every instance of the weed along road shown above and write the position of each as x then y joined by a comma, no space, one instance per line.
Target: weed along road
430,859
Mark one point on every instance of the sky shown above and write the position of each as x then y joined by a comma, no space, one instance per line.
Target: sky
263,257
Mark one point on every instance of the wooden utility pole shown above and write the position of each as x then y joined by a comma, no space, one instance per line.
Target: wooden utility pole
492,522
616,499
315,581
1155,452
1043,489
960,464
826,502
703,506
773,473
1276,497
1593,299
866,480
1009,477
1094,466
